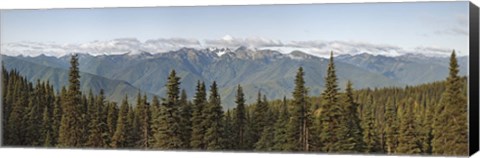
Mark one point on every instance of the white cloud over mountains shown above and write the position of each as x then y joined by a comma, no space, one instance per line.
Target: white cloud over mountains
133,45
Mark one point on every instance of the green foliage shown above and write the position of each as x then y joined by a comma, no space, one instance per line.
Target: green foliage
71,131
334,125
450,129
120,137
185,120
214,137
142,120
266,140
229,132
353,140
168,119
423,119
280,133
407,138
112,118
240,120
391,130
198,125
259,118
297,128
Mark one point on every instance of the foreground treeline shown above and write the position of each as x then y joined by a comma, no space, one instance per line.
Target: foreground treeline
425,119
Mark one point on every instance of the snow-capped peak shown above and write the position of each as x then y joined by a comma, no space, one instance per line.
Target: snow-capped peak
219,51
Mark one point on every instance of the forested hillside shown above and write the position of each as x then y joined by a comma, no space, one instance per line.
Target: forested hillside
428,119
254,69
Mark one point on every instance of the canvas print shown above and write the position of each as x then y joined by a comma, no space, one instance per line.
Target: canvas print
366,78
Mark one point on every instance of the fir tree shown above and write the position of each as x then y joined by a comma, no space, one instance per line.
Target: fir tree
198,127
142,120
426,131
33,121
214,120
333,124
280,134
297,130
407,140
229,133
391,130
450,129
370,136
112,118
259,117
185,120
155,111
71,132
120,137
353,140
132,130
266,140
249,125
97,136
46,128
57,115
168,135
240,119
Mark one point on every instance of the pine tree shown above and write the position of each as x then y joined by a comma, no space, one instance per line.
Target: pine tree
132,130
370,136
450,129
240,120
391,130
112,117
280,134
154,113
297,130
46,128
16,128
214,120
33,121
142,122
333,124
185,120
426,131
266,140
198,126
418,114
353,140
168,136
407,140
120,137
71,133
91,110
249,125
229,133
259,117
97,128
57,115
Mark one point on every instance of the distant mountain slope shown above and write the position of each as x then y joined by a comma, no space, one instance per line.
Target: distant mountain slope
406,69
268,71
115,90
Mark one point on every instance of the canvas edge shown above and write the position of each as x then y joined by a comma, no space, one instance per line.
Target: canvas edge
473,79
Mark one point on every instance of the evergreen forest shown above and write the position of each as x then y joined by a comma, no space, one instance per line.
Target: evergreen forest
427,119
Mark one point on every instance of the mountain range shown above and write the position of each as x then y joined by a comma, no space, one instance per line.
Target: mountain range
268,71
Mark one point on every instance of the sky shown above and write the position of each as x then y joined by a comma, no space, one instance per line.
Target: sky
430,28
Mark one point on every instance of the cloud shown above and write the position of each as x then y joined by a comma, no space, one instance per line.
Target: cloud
133,45
435,51
164,44
323,48
459,27
115,46
232,42
453,31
